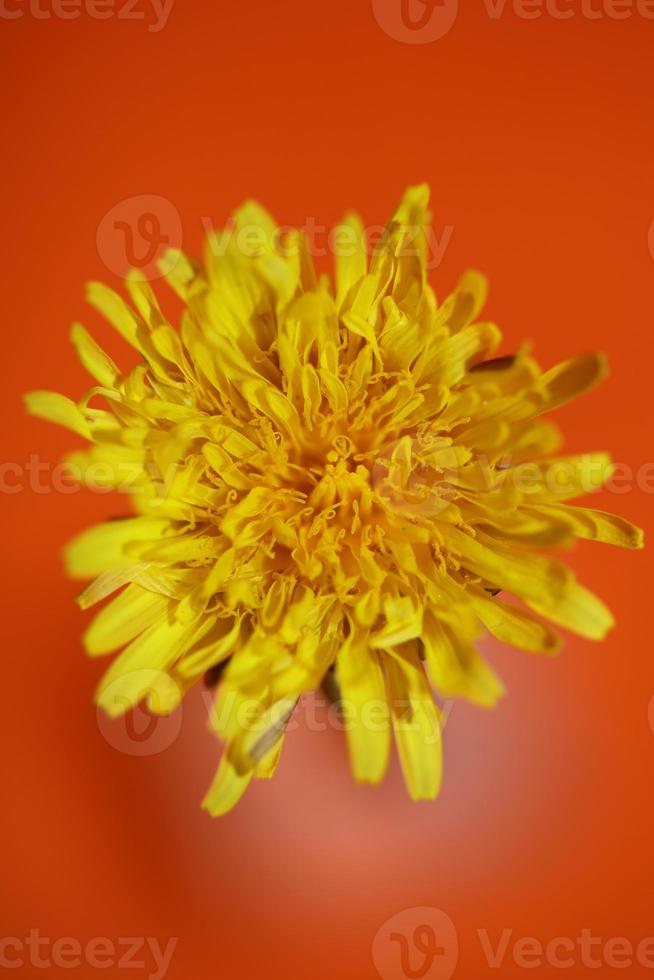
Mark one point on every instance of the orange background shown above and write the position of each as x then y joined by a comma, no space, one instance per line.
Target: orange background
536,136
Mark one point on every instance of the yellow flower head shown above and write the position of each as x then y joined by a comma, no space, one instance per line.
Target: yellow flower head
327,479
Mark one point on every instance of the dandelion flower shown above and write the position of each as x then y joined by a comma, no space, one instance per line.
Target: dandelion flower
328,481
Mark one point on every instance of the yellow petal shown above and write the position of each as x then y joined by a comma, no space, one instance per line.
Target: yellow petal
135,672
597,525
528,575
364,707
514,626
468,300
53,407
559,478
267,767
143,297
170,582
94,359
577,610
129,614
572,378
255,741
403,622
366,608
102,548
227,788
413,209
164,694
451,359
107,302
351,257
455,666
212,653
416,725
178,270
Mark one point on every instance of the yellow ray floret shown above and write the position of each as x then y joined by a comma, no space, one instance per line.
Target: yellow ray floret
330,482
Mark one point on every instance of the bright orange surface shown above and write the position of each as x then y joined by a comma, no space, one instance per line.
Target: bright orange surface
536,136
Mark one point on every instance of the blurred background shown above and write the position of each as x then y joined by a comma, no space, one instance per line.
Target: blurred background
129,125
